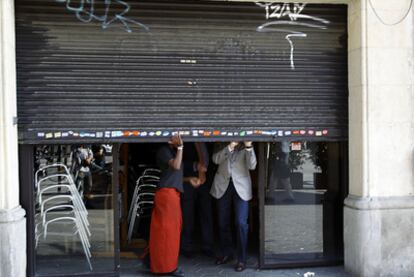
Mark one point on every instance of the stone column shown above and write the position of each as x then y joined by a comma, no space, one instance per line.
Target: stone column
12,216
379,212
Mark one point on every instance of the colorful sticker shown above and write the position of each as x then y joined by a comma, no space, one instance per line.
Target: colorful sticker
296,146
115,134
195,133
88,135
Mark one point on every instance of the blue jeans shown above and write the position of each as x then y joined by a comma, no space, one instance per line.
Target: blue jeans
241,209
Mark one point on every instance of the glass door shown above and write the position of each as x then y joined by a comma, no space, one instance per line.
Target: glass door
302,191
74,203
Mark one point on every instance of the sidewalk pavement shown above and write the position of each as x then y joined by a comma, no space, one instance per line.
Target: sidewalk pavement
204,267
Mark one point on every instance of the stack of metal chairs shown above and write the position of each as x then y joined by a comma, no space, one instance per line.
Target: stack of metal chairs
143,198
60,207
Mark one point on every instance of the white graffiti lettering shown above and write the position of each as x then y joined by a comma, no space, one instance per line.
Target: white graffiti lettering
282,15
85,11
277,10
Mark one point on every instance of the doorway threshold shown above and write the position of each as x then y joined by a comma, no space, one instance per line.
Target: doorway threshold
204,266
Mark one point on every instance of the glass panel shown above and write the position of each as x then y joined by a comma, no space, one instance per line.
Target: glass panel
302,202
74,215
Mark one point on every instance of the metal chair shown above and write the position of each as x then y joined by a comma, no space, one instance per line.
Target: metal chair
59,204
143,198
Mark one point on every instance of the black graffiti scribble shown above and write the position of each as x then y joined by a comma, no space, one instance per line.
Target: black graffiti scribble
276,12
85,11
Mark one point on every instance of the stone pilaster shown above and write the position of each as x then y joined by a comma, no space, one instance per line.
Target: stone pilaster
379,212
12,216
379,237
12,243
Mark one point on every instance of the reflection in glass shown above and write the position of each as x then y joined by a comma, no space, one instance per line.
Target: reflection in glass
301,202
73,209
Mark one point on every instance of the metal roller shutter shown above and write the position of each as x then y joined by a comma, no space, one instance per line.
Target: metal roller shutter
126,70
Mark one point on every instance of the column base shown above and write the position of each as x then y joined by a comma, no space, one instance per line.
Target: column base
13,242
379,236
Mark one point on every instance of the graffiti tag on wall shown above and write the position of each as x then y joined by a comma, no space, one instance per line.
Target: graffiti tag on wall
281,16
86,11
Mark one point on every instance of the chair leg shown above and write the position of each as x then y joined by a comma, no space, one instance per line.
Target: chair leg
132,223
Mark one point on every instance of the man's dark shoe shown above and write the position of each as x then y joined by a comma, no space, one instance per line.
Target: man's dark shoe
240,267
177,273
223,260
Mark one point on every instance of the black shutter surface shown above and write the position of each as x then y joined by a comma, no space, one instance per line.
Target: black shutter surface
127,70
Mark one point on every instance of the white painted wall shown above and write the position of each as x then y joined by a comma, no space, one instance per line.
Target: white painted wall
9,174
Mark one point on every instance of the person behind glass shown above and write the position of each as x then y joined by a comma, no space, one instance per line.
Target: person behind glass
98,156
166,220
280,173
232,187
85,160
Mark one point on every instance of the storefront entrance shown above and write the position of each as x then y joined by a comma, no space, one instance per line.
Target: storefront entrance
120,73
295,215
